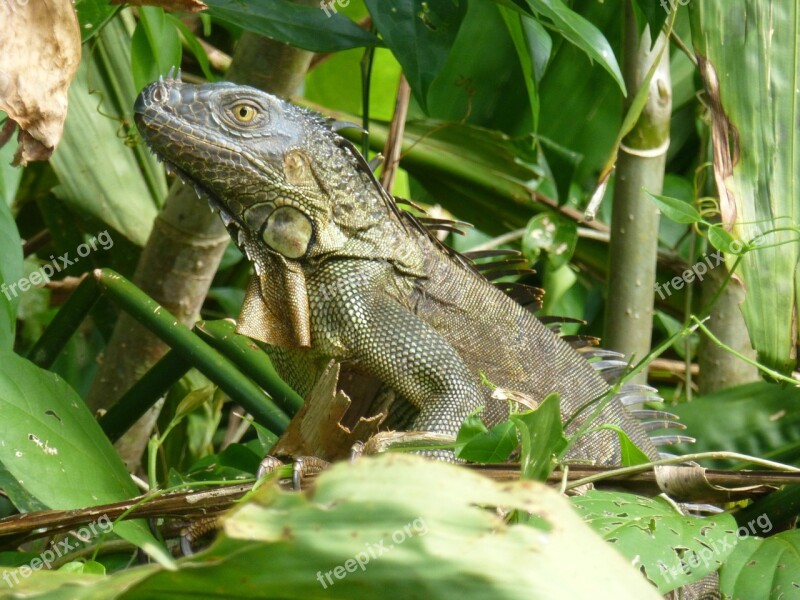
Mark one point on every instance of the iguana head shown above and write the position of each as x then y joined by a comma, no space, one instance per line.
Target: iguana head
277,173
290,190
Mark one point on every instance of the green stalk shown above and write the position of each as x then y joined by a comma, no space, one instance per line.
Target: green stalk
633,248
144,394
191,349
65,323
250,360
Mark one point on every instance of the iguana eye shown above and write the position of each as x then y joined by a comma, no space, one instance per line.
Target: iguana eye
244,113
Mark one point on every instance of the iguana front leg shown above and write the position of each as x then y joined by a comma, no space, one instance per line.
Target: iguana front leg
364,321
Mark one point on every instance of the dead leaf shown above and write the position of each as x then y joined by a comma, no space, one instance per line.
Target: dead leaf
189,6
37,64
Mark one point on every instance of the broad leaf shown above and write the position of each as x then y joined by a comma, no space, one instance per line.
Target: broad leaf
311,27
670,548
420,33
155,46
55,449
541,436
763,568
488,445
92,15
390,523
10,274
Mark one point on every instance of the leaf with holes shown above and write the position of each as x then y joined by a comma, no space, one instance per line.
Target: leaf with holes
54,448
671,549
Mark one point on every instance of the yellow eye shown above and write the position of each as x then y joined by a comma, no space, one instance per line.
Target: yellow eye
244,113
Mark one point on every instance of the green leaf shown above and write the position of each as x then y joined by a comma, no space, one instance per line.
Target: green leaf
56,450
336,83
11,272
309,27
542,438
92,15
670,548
420,33
630,453
762,568
553,234
722,240
482,82
194,45
675,209
492,446
580,33
194,400
380,526
653,13
581,106
155,46
10,177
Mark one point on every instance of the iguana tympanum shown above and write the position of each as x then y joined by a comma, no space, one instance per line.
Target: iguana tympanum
343,274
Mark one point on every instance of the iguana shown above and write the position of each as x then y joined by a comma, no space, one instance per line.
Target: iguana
342,273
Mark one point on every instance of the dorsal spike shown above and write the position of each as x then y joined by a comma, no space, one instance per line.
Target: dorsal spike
376,162
498,252
601,353
656,425
648,413
337,125
668,440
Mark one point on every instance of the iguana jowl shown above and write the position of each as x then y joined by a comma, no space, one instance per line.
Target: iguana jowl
343,274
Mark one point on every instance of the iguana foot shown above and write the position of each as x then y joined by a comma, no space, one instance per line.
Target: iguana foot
301,467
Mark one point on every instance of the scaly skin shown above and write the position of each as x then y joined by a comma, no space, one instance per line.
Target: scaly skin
343,274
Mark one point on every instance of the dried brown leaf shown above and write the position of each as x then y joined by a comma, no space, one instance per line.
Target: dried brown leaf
38,58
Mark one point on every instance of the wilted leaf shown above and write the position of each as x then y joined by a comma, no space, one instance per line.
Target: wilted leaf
37,64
